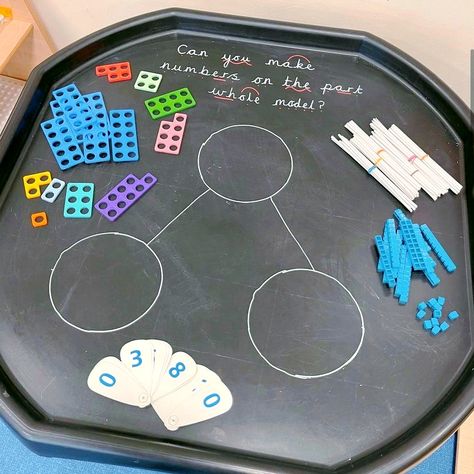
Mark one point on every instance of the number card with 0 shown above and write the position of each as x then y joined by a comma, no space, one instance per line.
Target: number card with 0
111,378
202,398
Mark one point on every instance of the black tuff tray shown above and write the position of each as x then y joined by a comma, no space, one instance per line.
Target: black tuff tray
401,395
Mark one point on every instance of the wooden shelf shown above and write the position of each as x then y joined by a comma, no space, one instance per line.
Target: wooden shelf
12,36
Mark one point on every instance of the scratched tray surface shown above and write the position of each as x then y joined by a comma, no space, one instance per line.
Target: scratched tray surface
341,369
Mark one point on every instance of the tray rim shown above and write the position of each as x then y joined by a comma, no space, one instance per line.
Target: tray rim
55,439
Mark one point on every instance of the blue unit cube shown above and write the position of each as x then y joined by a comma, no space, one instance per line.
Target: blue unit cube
441,300
79,200
433,304
444,326
436,330
421,314
428,325
434,322
123,135
422,306
437,313
453,315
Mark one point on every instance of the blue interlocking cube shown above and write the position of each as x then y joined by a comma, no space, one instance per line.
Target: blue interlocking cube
444,326
422,305
427,324
421,314
453,315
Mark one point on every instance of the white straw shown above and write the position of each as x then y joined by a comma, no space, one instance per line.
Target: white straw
424,181
386,163
453,184
440,185
383,166
374,172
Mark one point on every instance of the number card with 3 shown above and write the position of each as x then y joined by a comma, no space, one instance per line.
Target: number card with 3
138,358
203,398
111,378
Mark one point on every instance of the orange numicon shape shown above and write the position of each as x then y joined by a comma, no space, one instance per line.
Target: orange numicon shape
39,219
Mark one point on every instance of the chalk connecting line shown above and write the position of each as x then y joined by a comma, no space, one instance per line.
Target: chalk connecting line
155,257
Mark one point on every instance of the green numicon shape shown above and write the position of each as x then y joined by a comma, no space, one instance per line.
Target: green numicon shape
167,104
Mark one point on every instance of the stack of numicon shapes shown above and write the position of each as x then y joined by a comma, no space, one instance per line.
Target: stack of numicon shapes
82,131
405,250
181,392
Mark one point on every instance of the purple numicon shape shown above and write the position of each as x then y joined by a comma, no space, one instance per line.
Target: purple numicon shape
124,195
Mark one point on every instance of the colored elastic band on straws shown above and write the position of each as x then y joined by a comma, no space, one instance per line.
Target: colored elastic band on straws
371,169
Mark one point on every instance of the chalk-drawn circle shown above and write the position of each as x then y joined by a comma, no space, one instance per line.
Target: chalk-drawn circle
105,282
305,323
245,163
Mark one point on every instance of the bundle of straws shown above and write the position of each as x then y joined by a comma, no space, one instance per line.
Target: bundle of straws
397,163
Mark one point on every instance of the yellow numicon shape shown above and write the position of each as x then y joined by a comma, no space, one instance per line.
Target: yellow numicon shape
32,183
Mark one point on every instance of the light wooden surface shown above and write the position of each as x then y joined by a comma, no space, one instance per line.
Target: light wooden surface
465,447
12,36
439,34
35,47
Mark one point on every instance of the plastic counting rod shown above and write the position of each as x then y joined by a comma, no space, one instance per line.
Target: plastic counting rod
32,183
148,81
124,195
78,203
53,190
388,278
123,135
402,290
96,147
167,104
170,135
62,142
393,244
115,72
438,249
39,219
77,112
